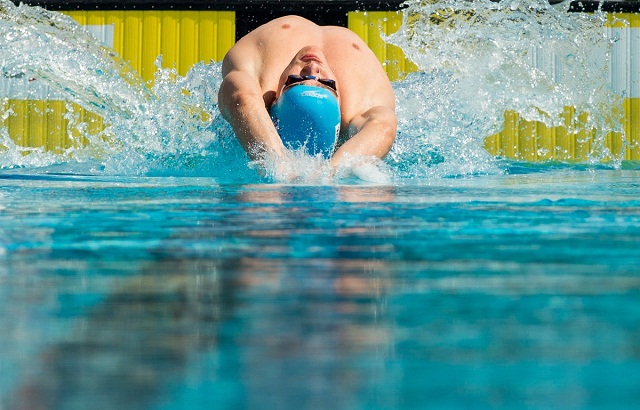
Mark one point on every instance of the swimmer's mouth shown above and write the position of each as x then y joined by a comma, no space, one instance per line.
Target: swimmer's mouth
310,57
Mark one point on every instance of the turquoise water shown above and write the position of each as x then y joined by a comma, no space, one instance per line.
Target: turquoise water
510,291
157,268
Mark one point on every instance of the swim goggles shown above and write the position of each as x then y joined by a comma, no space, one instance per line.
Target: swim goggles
293,78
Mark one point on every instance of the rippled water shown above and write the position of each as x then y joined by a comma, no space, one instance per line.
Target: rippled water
509,291
156,268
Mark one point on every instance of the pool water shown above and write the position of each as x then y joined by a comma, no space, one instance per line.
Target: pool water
152,266
517,290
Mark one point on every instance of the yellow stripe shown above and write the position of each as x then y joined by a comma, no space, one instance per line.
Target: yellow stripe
519,139
183,38
623,20
533,141
369,26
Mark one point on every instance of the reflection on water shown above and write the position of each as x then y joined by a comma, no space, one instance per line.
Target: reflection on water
176,294
249,332
134,340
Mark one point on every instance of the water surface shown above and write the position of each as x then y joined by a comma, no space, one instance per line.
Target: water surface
514,290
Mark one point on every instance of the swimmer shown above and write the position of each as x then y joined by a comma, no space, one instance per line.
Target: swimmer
291,83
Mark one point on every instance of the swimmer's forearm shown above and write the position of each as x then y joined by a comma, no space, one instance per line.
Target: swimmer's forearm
375,137
243,107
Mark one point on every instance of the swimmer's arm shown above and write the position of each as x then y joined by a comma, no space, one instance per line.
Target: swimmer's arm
241,104
375,133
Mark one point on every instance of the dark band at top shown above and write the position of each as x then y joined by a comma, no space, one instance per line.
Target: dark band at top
607,6
221,5
285,5
252,13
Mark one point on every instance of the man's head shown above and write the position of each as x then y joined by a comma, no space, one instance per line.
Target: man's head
308,62
306,112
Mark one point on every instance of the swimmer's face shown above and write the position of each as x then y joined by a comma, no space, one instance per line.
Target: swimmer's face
308,62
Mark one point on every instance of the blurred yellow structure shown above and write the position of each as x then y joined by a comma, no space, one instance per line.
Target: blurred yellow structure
184,38
526,140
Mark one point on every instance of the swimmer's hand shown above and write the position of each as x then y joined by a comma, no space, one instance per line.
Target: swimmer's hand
294,167
297,167
365,168
369,172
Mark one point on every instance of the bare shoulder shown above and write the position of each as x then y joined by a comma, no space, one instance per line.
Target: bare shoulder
361,77
276,40
240,56
280,28
292,19
347,47
341,33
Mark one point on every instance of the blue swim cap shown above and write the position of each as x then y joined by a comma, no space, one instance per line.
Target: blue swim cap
309,117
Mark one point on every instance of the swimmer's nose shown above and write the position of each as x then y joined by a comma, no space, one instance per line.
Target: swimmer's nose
312,68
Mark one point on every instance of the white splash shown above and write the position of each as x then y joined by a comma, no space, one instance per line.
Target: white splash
481,58
477,59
